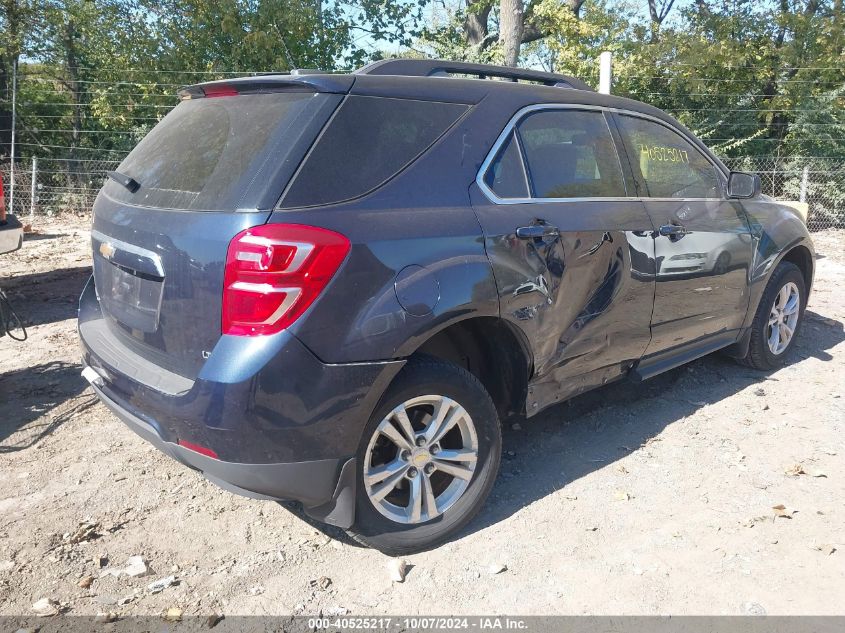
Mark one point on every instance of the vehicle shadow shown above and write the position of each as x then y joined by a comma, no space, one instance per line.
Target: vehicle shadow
46,297
594,430
36,401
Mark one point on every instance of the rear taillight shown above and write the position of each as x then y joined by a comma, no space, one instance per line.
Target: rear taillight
274,272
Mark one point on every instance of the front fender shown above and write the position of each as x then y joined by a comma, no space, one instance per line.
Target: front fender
777,230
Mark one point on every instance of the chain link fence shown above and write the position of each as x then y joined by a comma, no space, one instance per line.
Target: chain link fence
817,182
51,186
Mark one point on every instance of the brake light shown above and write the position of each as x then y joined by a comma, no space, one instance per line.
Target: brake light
219,90
274,272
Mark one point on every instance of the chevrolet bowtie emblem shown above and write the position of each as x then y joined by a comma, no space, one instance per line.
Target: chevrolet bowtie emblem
106,250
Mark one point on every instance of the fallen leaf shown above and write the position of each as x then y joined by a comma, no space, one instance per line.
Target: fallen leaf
323,582
782,511
86,531
173,614
794,471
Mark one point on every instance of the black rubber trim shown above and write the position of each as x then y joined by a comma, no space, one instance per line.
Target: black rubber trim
340,510
313,483
104,344
664,361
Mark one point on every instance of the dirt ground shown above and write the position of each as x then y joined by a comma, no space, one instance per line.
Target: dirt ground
631,500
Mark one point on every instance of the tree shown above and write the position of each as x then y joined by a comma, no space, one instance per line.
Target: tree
17,18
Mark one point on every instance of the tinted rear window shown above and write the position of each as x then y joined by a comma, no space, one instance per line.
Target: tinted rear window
370,140
206,152
506,175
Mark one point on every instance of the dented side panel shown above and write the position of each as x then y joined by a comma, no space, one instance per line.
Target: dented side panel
583,298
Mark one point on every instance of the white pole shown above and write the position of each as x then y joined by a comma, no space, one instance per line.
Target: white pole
14,115
605,72
802,197
32,187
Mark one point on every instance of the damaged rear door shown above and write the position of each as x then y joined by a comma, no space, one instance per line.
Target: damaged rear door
571,249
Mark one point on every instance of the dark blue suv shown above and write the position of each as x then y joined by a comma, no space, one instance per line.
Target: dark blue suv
332,288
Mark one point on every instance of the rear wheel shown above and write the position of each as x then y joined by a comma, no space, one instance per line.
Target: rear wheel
778,318
427,460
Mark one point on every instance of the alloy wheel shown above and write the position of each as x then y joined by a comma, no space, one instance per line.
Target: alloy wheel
783,318
421,459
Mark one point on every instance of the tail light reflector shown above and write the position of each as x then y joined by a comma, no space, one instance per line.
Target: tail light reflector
202,450
274,272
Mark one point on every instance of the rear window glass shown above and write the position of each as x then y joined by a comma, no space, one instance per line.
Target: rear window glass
205,152
370,140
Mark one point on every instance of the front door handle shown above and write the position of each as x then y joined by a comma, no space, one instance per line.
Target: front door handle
672,230
537,231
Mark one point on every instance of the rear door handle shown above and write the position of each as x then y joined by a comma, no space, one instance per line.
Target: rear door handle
670,230
537,231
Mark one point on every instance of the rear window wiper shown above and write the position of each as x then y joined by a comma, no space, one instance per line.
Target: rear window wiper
127,181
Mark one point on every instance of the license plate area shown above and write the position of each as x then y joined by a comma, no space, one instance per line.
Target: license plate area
128,296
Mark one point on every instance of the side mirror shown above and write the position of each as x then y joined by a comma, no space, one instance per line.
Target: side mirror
743,185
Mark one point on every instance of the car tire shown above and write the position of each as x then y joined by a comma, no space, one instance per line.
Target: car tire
762,354
722,263
395,524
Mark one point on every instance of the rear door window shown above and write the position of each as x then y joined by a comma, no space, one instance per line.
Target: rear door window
206,152
368,141
570,154
506,175
665,164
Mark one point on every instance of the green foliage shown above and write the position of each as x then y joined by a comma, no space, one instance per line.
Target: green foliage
751,78
95,75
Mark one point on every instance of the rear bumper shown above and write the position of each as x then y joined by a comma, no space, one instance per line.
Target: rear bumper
318,484
311,482
283,424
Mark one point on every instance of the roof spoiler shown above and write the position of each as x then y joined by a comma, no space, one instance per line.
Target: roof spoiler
263,83
441,68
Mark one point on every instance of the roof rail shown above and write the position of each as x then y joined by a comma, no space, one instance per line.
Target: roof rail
440,67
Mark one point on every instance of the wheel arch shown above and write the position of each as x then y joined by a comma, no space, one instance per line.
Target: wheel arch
491,349
801,256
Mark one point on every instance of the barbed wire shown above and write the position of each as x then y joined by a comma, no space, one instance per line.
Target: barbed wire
58,182
70,185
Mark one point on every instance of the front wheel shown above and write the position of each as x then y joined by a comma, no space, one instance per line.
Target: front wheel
778,318
427,460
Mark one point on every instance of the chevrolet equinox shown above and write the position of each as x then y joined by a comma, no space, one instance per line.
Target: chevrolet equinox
330,288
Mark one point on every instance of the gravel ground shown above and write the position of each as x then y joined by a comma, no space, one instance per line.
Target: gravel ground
644,499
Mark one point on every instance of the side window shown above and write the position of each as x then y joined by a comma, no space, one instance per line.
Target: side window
368,141
669,166
570,154
506,174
